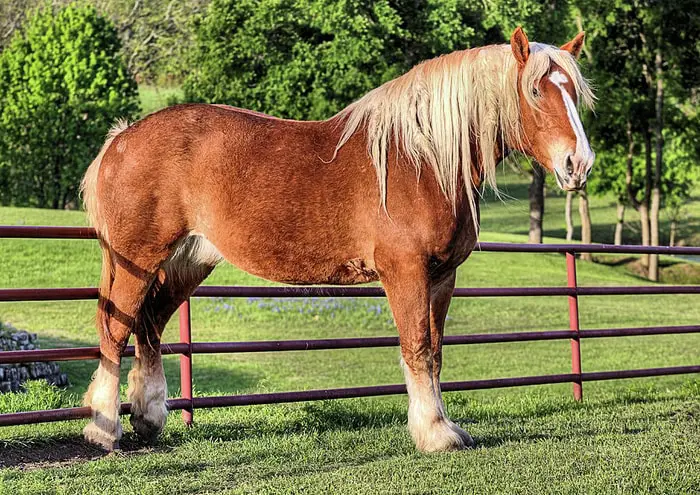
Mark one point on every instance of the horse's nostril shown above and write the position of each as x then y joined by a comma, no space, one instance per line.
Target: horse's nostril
569,165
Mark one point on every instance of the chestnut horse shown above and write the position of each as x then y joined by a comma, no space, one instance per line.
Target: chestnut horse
385,190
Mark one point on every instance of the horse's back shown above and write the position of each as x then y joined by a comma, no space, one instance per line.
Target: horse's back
263,190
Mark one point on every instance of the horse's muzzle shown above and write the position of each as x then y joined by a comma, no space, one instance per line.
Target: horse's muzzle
573,175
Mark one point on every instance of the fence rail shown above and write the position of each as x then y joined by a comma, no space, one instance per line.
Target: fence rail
186,348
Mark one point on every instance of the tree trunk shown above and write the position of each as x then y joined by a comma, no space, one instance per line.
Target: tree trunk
620,222
644,218
536,193
585,214
567,215
672,233
55,201
644,203
64,199
637,204
656,188
654,233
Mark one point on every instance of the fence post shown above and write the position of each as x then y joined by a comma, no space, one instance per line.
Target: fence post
573,324
186,360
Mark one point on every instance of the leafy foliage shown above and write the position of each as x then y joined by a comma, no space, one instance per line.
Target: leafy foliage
310,58
62,84
548,22
155,34
625,37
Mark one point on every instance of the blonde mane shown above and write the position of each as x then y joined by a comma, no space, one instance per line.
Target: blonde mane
430,112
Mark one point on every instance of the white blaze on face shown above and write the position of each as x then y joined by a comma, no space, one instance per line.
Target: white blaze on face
583,149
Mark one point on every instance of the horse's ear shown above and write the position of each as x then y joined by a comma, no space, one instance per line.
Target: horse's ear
520,46
575,45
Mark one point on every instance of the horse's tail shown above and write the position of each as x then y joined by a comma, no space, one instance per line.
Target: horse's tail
88,191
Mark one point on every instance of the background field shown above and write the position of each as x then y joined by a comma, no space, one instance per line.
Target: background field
633,436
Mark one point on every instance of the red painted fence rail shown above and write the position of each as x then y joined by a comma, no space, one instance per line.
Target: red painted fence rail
186,348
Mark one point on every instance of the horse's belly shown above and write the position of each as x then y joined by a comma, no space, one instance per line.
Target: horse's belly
296,259
308,271
354,271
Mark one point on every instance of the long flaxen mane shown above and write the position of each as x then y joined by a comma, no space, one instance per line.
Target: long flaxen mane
431,111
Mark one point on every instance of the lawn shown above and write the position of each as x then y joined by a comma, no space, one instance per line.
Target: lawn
627,436
154,98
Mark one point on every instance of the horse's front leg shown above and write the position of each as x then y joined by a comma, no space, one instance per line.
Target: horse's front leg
411,297
440,298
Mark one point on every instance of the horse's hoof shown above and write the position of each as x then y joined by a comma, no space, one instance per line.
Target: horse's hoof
95,435
444,436
467,440
144,428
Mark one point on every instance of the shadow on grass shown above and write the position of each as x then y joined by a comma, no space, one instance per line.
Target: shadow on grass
551,419
66,449
58,448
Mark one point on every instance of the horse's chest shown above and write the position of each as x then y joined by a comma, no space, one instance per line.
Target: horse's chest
449,259
453,247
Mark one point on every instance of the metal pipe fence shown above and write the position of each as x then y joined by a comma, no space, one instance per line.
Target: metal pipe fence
186,348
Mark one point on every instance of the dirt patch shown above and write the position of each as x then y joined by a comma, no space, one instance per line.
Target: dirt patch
17,454
35,456
681,273
670,272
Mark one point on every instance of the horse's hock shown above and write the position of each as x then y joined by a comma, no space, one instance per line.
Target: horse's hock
12,376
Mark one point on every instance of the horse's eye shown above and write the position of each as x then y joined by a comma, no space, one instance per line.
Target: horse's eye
536,92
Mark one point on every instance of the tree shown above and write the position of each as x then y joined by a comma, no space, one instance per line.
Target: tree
62,85
155,34
307,59
647,63
11,17
536,196
609,176
681,173
567,216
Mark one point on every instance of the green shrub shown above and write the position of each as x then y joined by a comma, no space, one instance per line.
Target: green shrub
62,85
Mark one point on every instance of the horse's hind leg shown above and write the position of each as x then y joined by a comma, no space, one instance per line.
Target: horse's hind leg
119,310
409,292
147,387
147,390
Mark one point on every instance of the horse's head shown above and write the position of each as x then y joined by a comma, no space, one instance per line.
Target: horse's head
551,129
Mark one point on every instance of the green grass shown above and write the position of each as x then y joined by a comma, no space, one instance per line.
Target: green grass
627,436
513,216
156,97
641,441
